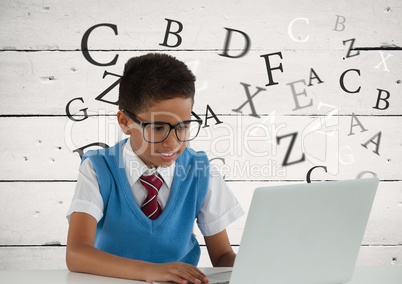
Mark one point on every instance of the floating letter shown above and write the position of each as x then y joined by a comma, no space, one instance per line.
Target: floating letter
295,94
341,79
176,33
377,143
227,43
379,98
353,125
290,30
84,45
84,110
292,142
339,22
249,99
269,68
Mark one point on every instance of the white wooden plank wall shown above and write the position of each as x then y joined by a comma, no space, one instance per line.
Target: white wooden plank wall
335,87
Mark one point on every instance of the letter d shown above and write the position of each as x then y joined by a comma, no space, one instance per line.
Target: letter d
227,43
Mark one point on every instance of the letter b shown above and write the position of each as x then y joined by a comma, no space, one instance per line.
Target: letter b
379,98
176,33
338,22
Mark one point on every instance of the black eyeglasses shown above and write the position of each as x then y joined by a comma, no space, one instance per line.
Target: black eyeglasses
158,131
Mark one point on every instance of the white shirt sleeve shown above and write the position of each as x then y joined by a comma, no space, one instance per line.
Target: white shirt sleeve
220,207
87,197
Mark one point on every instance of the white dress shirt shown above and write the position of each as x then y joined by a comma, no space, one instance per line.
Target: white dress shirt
220,207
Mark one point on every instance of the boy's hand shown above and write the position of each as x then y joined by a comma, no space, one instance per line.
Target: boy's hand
177,272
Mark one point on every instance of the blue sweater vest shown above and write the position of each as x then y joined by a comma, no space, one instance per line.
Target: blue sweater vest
124,229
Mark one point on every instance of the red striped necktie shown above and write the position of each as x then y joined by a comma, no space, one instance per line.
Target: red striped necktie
151,206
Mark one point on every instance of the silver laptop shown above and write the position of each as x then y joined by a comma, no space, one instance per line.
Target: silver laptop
303,233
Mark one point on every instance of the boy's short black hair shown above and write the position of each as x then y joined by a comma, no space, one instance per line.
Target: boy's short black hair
154,77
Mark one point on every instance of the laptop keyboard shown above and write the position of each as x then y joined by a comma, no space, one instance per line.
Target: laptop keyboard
220,277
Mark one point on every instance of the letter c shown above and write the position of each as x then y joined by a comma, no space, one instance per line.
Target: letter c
291,33
341,81
310,171
84,45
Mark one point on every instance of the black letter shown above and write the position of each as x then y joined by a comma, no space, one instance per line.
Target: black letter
269,69
343,85
99,98
84,45
378,135
84,110
213,115
382,99
292,141
174,33
350,48
227,42
310,170
315,77
249,100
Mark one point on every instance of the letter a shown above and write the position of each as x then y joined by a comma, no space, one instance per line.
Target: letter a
315,77
353,125
209,109
377,144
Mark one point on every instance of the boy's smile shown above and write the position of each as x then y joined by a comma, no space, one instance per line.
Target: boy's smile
161,154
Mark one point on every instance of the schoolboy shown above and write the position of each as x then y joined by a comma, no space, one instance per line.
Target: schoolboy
110,232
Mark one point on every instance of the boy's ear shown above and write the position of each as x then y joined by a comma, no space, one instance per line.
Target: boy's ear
123,122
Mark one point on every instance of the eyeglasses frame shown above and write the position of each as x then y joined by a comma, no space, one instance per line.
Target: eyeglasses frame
144,124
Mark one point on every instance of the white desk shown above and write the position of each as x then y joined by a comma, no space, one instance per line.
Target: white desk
362,275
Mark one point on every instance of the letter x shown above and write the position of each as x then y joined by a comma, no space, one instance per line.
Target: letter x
383,61
249,99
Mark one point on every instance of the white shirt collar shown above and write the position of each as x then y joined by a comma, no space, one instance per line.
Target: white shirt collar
135,167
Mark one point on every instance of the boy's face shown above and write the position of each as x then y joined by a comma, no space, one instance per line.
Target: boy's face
164,153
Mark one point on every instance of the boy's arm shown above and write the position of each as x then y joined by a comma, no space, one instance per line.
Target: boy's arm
82,256
219,249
